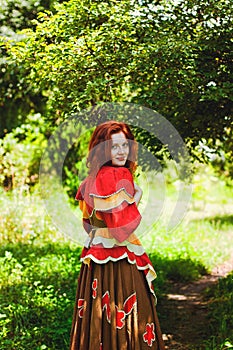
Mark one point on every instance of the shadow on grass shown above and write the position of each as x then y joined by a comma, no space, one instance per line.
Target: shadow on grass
175,270
38,291
218,220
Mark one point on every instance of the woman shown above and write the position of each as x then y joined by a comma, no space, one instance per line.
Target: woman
115,302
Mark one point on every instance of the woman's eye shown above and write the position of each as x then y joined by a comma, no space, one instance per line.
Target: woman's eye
124,145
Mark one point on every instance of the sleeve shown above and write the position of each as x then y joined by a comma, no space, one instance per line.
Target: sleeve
114,202
83,206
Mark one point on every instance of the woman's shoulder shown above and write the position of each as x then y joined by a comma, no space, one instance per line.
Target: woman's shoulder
109,180
112,179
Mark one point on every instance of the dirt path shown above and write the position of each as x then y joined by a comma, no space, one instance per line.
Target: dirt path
184,311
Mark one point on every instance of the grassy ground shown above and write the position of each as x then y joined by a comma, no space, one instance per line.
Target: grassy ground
39,267
220,299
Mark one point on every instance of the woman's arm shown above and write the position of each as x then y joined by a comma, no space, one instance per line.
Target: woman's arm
137,194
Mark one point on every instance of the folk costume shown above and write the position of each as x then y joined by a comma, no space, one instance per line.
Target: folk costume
115,301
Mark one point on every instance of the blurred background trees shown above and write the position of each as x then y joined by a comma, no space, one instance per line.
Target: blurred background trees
175,57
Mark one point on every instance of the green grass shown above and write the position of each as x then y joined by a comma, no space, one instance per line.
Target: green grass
220,299
205,234
39,267
37,295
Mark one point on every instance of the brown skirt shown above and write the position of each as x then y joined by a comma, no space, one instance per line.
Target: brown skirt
114,309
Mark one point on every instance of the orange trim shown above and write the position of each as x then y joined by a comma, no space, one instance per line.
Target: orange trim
112,201
83,207
98,216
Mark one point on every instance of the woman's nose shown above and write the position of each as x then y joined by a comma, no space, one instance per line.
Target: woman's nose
120,150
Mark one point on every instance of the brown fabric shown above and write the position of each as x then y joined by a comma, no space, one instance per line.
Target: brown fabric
114,309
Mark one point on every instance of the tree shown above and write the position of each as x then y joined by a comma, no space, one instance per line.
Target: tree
17,100
174,57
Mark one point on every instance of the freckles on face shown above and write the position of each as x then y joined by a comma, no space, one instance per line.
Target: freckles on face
119,149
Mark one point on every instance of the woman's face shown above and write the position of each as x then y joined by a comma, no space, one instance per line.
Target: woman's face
119,149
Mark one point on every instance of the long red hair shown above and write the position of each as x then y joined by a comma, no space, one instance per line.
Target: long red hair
100,146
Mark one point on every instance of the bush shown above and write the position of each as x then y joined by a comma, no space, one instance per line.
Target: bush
37,295
220,314
20,153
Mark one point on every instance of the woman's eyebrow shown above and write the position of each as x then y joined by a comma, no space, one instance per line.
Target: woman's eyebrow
117,142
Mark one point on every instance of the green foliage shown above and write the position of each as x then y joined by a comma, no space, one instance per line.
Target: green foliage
23,219
37,295
174,57
198,240
175,268
222,161
171,56
75,169
16,98
38,276
16,14
220,314
20,153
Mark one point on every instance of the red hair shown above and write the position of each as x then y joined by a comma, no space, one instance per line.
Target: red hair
100,150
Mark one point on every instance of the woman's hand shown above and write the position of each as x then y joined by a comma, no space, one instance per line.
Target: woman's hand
137,193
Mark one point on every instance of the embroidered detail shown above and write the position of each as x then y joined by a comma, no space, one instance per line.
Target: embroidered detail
149,335
114,200
94,288
129,303
120,318
81,307
106,305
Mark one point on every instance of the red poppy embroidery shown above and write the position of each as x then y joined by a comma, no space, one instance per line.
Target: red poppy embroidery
120,318
149,335
81,307
106,305
129,303
94,288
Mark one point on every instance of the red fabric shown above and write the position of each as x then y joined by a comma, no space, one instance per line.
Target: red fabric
121,221
101,254
79,195
108,181
87,225
111,179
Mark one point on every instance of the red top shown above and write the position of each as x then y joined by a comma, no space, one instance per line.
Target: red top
113,186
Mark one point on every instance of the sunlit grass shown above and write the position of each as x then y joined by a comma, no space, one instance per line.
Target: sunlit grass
204,233
220,314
